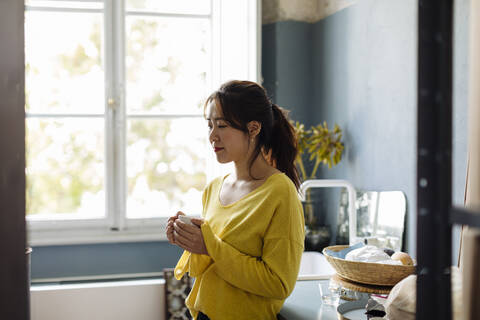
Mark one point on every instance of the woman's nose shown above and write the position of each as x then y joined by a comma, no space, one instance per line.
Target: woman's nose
213,135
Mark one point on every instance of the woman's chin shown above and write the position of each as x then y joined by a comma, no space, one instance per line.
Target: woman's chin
222,160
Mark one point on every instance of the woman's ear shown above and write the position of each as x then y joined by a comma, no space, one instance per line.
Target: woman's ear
254,128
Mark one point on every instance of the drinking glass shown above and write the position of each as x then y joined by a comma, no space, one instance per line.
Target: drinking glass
330,292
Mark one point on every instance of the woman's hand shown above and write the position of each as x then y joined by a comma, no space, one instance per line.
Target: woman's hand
169,230
189,237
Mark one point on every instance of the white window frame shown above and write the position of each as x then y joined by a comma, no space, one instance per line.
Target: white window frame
238,57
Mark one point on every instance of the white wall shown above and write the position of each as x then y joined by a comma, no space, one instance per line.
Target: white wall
118,300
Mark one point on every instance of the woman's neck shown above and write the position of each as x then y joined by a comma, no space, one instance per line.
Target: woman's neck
260,169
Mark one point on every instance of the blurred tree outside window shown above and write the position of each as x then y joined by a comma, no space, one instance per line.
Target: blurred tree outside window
72,137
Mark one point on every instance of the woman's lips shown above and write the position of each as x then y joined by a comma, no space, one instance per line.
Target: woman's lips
217,149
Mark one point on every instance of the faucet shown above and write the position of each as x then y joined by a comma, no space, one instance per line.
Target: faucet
352,212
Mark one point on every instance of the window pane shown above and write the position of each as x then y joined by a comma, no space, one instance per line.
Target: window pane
89,4
175,6
65,168
167,62
64,62
165,166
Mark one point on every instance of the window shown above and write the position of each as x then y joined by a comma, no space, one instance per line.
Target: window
116,140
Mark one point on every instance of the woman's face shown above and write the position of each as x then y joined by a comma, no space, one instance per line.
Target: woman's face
229,144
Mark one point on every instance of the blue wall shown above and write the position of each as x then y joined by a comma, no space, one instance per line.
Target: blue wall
367,84
102,259
286,66
362,69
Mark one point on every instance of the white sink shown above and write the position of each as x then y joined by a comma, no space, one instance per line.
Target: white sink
314,266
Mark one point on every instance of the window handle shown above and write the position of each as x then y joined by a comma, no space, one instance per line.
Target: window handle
111,103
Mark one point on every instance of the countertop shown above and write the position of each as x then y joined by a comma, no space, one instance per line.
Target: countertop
305,303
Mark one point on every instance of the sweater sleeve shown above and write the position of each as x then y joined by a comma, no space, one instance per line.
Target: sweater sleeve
194,264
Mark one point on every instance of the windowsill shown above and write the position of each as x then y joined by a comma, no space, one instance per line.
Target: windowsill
95,236
96,284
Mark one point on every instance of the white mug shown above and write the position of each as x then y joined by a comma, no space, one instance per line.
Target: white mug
188,219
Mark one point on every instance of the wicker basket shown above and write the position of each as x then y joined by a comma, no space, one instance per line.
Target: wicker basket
366,272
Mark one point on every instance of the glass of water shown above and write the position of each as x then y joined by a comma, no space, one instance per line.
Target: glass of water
330,292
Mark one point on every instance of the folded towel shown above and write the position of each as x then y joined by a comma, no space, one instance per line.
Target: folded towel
342,253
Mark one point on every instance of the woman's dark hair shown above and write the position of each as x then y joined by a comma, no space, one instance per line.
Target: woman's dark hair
245,101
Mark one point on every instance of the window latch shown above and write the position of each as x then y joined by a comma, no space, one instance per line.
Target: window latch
112,104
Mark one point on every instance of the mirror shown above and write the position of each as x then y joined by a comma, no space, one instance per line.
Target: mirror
380,218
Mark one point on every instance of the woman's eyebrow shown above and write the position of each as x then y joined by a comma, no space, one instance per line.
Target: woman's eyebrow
208,119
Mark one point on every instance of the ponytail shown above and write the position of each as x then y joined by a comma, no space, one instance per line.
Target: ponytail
283,144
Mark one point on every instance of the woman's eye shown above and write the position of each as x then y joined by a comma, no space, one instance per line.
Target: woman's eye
222,126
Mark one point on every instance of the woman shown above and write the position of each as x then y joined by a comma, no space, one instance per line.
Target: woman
245,253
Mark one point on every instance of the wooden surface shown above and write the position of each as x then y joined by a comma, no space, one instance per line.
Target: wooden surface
13,267
360,287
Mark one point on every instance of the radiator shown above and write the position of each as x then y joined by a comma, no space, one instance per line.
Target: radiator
113,300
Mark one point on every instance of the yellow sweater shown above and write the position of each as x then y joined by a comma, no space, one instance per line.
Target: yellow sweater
255,246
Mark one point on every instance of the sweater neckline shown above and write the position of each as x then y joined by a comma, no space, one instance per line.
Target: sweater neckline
245,196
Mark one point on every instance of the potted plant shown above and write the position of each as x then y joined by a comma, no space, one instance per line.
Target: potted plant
318,146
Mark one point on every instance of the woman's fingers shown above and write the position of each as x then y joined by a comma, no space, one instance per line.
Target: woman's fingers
179,213
184,247
184,228
186,236
192,245
185,241
169,231
169,226
197,221
175,217
170,236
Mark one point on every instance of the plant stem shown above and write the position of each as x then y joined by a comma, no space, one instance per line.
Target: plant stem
314,171
302,168
309,214
308,196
